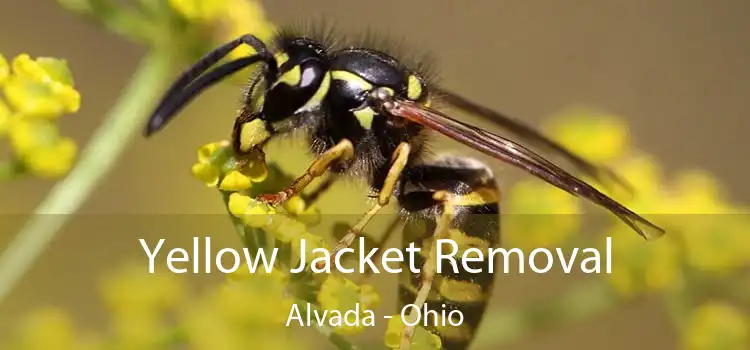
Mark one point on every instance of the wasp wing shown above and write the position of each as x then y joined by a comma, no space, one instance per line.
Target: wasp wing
519,156
523,131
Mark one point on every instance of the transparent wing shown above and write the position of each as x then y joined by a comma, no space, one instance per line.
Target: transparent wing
523,132
519,156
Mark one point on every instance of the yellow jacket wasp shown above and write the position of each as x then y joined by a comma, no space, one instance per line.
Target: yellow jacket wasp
366,115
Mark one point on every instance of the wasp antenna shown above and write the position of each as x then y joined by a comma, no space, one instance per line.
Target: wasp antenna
169,107
191,83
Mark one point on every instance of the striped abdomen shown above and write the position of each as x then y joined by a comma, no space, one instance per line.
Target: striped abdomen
475,224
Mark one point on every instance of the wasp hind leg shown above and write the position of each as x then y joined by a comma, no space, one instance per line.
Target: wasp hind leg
457,199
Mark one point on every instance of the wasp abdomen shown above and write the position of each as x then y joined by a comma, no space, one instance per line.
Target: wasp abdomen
463,286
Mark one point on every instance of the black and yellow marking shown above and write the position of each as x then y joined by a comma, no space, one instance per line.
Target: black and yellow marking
473,221
308,84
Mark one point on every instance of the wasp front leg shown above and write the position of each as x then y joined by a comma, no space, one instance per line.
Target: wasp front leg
341,152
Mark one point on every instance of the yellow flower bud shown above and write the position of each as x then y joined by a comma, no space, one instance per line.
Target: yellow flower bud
40,99
238,204
206,173
235,181
295,205
540,215
288,230
596,136
338,293
716,325
310,216
53,161
639,267
257,215
48,329
206,152
312,242
4,69
247,17
42,87
199,10
422,339
5,118
26,135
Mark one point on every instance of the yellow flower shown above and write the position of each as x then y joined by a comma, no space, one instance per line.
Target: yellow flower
244,311
138,329
44,69
207,152
6,117
199,10
295,205
342,294
133,288
47,329
215,161
28,135
238,204
276,276
38,144
261,302
640,266
53,161
312,242
206,173
422,340
4,69
41,88
251,212
235,181
644,175
596,136
244,17
286,229
714,233
540,215
714,326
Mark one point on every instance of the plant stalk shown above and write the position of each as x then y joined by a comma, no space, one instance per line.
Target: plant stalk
123,121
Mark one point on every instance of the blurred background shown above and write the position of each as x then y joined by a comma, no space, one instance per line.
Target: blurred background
675,71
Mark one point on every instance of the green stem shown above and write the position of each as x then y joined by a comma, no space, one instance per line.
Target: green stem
96,161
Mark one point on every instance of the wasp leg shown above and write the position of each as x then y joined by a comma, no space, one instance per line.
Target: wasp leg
386,236
454,198
429,268
314,195
342,151
400,158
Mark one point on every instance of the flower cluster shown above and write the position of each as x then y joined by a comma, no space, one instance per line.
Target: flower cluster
706,239
233,17
717,325
287,226
155,311
37,92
